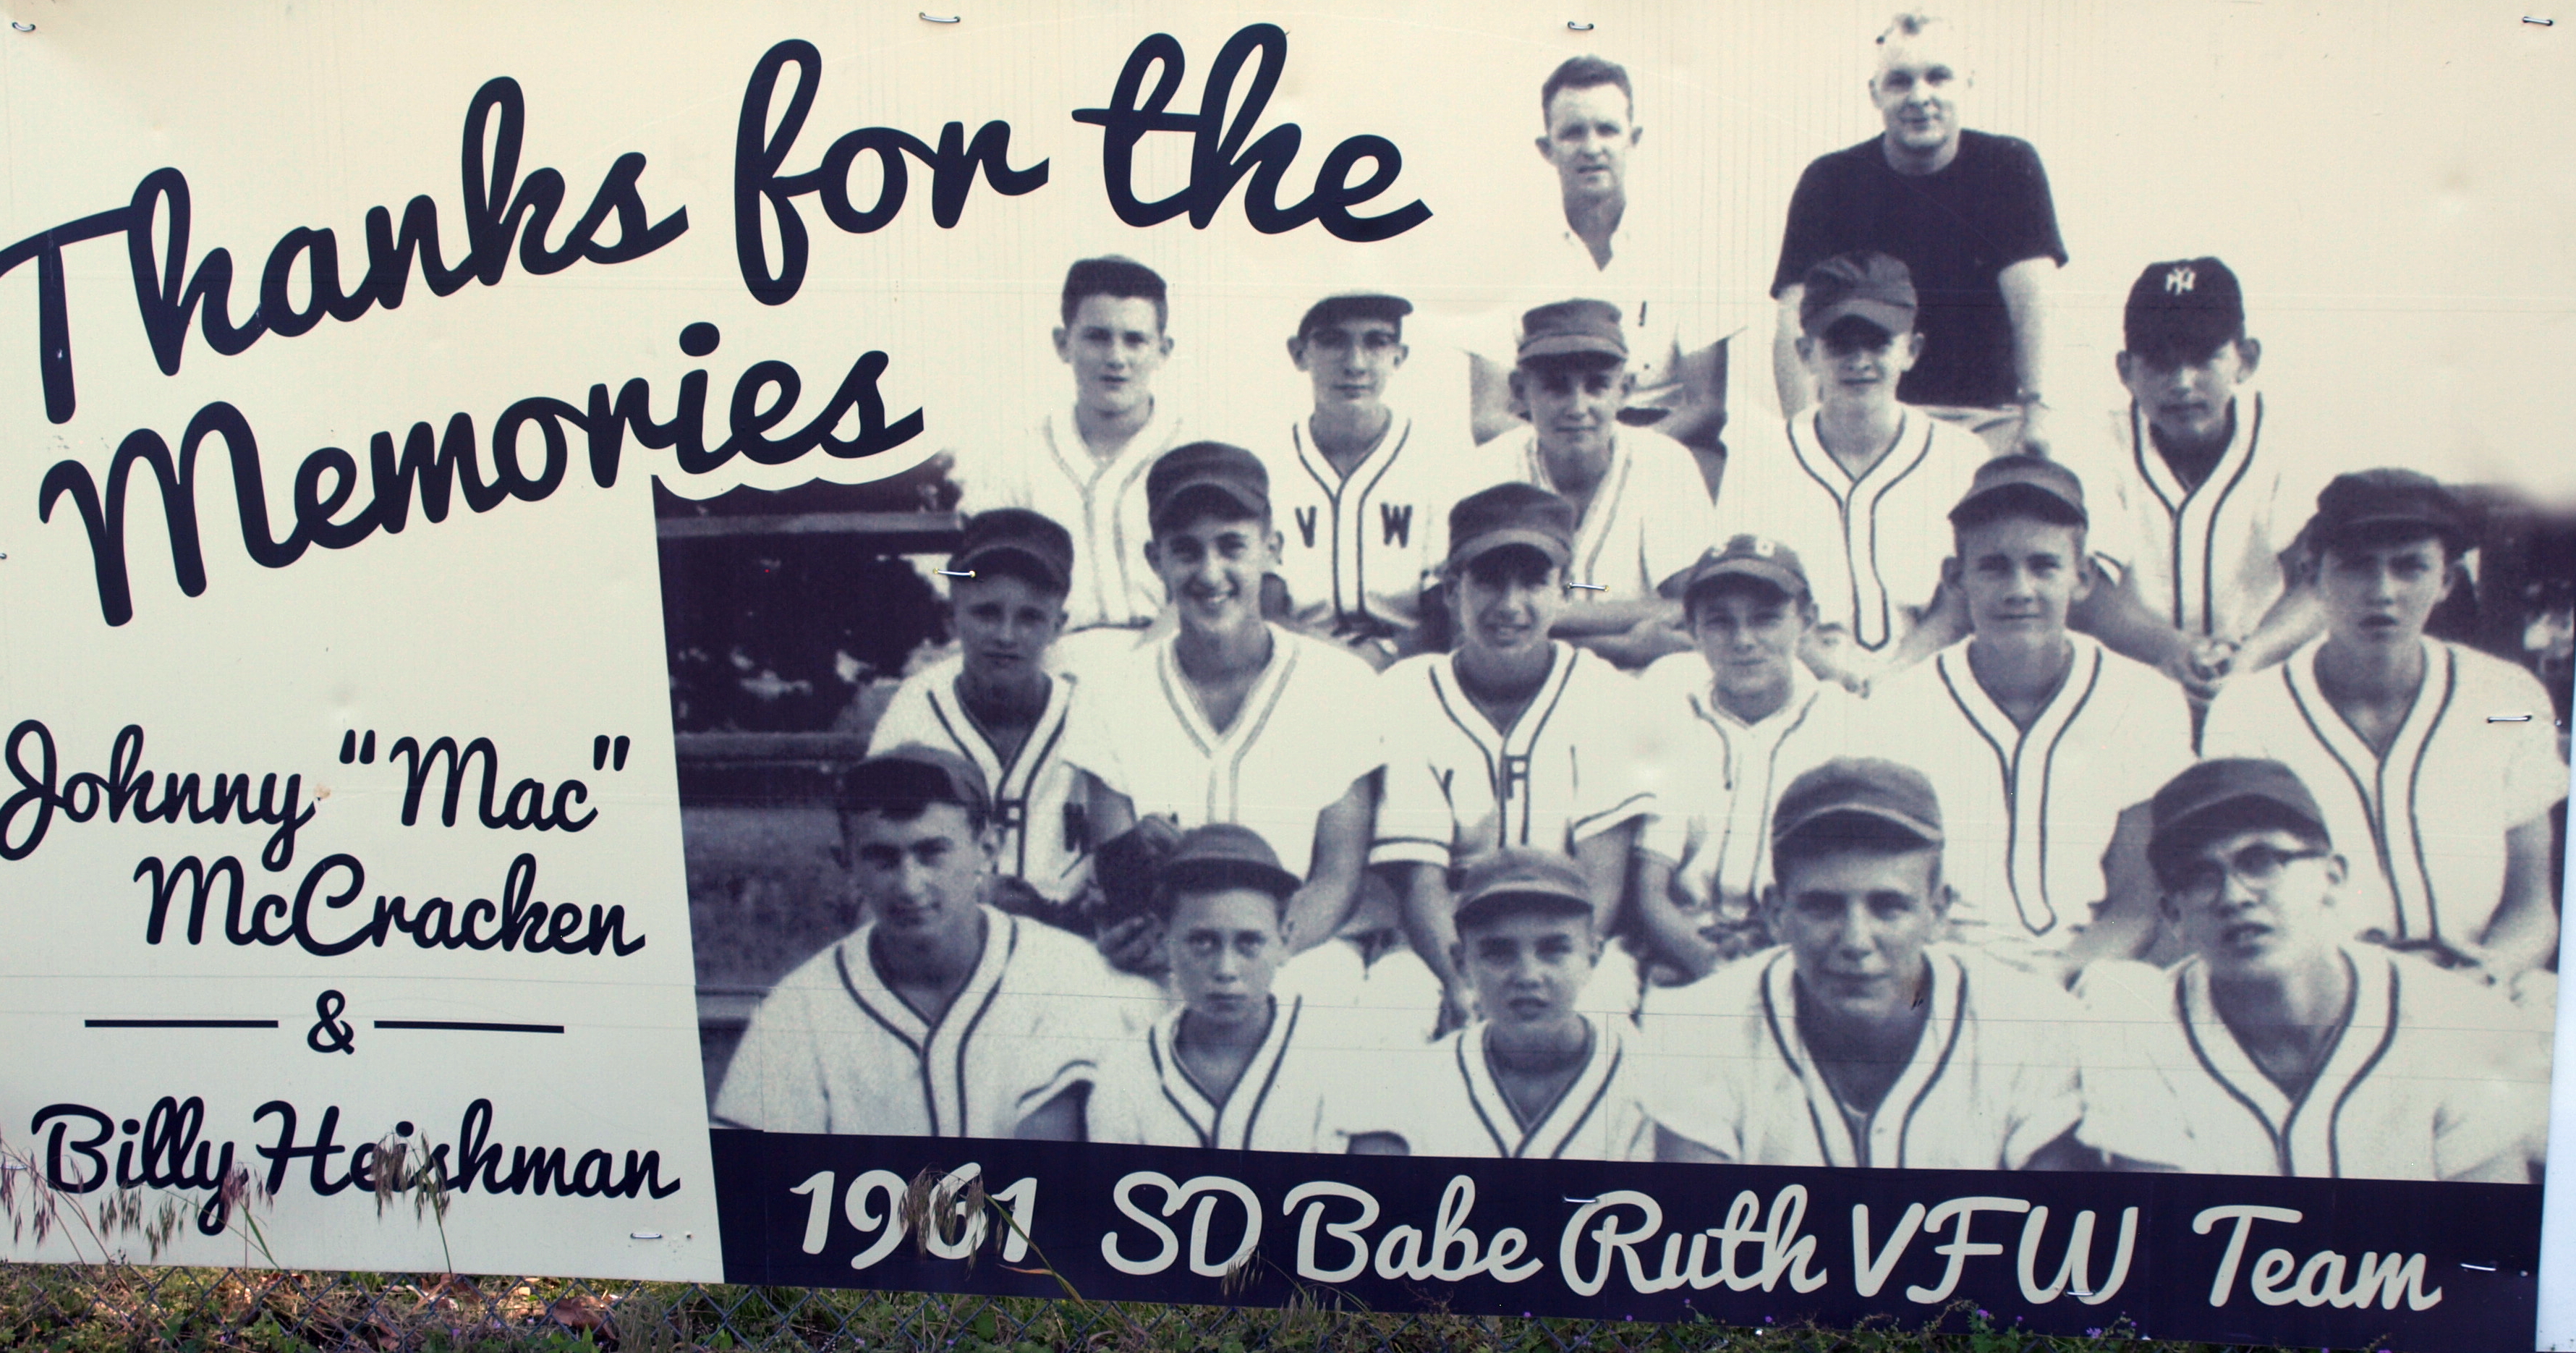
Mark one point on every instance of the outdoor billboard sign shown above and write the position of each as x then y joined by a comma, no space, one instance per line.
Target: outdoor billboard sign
1848,660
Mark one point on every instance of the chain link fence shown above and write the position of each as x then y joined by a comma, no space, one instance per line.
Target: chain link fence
80,1308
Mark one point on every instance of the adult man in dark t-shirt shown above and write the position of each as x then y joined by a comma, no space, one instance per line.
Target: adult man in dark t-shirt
1970,215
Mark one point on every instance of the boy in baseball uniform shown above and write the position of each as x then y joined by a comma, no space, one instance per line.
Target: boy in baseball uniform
1514,740
1861,1040
2043,745
940,1016
995,704
1740,720
2443,815
1361,497
1860,484
2280,1046
1642,512
1230,718
1235,1067
1084,466
1533,1079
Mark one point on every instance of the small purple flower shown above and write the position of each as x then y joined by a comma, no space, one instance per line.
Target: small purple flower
1984,1314
2092,1334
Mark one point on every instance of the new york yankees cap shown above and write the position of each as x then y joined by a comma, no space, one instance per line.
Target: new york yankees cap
1858,787
912,774
1865,283
1526,875
1572,329
2224,794
2182,311
2022,483
1215,467
2378,503
1514,513
1748,556
1223,855
1016,533
1354,305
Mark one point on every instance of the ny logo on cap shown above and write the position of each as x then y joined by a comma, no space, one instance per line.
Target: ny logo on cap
2179,280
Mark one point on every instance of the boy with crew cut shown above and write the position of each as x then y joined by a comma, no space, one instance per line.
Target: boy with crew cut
1361,496
2043,745
1514,740
2281,1047
1862,1040
1084,467
1740,720
1229,718
2444,816
1642,512
940,1016
995,704
1534,1078
1861,483
1234,1067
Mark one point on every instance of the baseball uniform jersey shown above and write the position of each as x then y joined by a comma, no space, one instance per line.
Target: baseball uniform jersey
1872,546
1394,998
1443,1101
1992,1077
2028,814
2206,559
1359,547
1302,736
1145,1096
1649,517
2427,1080
1712,814
1102,502
1035,790
832,1048
2422,828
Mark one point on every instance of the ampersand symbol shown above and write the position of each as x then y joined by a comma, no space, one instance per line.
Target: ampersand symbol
331,1035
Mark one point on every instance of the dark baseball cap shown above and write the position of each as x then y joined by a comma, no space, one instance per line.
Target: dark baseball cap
1354,305
1514,513
1749,556
1522,874
2388,502
1214,467
1016,533
1573,329
913,774
1224,855
2183,311
1864,283
2226,794
1861,787
2022,483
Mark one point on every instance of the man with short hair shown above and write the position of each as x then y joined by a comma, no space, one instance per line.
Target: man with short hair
1231,718
1642,512
1534,1078
1602,243
2281,1047
1861,483
2445,815
1514,740
1233,1067
1085,466
939,1016
1862,1041
1361,495
2044,745
1739,721
1970,215
995,704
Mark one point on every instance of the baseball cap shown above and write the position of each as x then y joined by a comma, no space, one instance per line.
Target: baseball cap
1520,873
913,773
1865,283
2032,484
1223,854
1573,328
2183,310
1513,513
2368,502
2230,792
1230,471
1018,533
1354,305
1749,556
1859,786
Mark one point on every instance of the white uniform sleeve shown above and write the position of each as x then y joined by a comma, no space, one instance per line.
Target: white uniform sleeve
2126,1099
907,719
2100,465
1414,823
1686,1088
2155,735
2236,725
1617,757
1091,735
1681,523
2493,1079
993,476
774,1082
2534,777
1755,449
2046,1083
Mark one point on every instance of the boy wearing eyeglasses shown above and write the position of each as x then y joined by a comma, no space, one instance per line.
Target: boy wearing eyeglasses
2280,1046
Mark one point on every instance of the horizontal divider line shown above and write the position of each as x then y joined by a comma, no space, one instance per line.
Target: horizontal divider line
470,1026
178,1024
